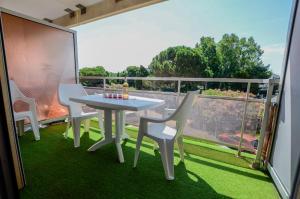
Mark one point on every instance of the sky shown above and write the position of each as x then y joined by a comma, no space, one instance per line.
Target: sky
135,37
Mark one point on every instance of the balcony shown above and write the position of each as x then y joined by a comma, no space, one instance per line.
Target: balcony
229,133
214,167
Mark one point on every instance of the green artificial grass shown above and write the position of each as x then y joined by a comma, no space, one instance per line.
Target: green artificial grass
55,169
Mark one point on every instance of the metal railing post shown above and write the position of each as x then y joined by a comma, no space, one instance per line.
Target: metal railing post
244,119
178,91
264,124
104,84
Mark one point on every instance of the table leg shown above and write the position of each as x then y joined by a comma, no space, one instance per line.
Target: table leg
119,129
107,131
123,118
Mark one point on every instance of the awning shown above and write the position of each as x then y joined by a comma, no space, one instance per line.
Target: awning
70,13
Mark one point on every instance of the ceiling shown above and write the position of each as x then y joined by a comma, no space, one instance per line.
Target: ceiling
41,9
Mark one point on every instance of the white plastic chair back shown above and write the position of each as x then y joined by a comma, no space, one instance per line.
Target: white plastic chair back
65,91
16,94
182,112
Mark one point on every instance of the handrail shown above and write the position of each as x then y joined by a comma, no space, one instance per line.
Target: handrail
187,79
176,94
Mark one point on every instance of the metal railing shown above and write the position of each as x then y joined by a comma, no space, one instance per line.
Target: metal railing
179,80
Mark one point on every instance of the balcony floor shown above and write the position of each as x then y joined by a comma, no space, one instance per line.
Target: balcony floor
54,169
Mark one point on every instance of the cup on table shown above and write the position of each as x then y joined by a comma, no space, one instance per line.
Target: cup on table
120,96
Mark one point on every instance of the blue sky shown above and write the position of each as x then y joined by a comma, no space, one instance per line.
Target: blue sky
135,37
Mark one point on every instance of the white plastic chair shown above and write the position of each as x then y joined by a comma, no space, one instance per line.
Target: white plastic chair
17,95
165,136
76,113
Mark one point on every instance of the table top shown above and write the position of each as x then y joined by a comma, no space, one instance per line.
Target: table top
134,103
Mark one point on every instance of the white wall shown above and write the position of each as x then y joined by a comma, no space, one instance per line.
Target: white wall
287,140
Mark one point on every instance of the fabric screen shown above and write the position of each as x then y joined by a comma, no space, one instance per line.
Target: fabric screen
38,58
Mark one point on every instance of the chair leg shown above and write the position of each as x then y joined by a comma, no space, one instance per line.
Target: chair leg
166,149
180,147
67,128
36,131
87,125
35,127
138,148
76,132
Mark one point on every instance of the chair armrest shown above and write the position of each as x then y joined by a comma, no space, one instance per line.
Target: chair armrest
170,109
28,100
168,112
153,120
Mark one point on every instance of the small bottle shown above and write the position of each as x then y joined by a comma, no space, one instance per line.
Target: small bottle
125,90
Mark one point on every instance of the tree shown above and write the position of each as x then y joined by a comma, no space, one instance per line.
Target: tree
93,71
180,61
241,58
132,71
208,48
163,64
135,71
231,57
143,71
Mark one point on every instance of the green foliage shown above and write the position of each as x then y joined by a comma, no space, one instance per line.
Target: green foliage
231,57
93,71
130,71
208,49
179,61
241,58
135,71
